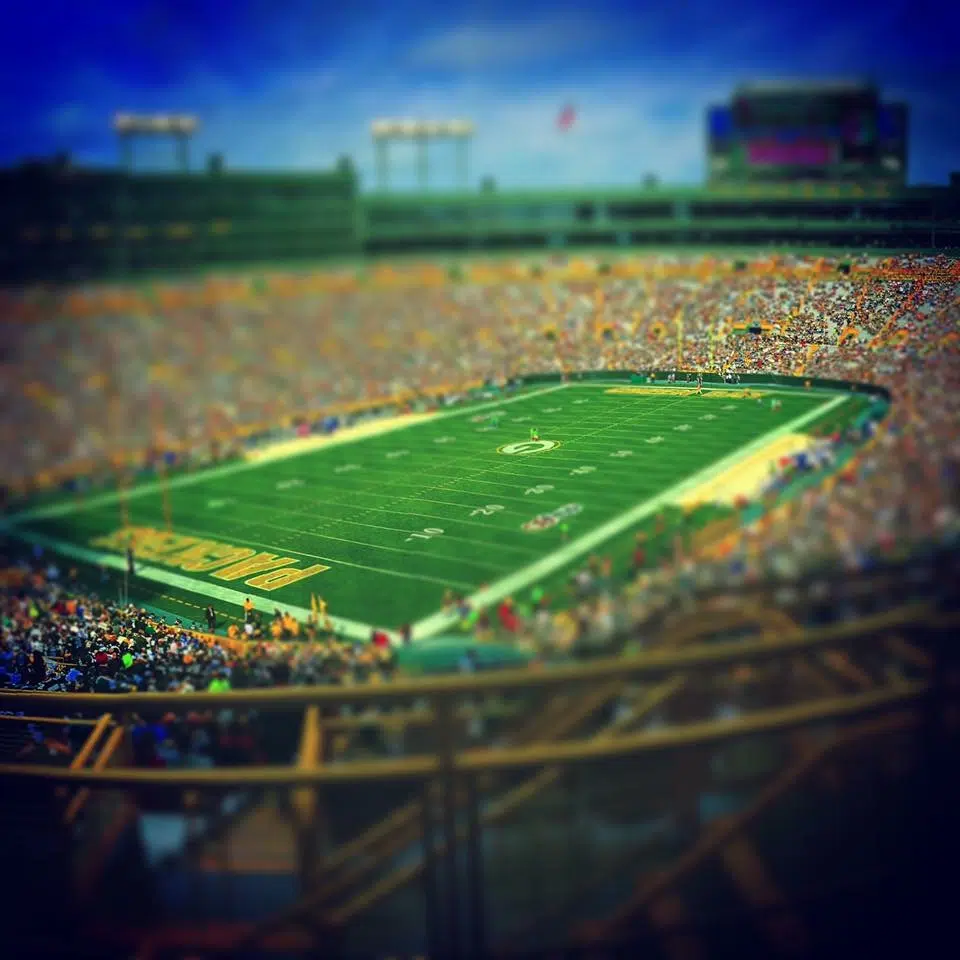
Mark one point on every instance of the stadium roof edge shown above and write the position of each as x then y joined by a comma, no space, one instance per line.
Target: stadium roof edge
786,85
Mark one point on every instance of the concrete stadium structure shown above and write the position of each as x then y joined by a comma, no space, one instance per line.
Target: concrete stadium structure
63,224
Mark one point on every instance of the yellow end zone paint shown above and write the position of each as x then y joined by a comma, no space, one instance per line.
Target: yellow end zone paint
747,478
266,571
685,392
372,428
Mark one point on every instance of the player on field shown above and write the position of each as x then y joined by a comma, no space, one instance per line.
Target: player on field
534,433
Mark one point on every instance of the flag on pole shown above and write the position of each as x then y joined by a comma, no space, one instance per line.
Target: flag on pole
566,118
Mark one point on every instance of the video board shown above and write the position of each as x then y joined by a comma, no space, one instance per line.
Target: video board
785,134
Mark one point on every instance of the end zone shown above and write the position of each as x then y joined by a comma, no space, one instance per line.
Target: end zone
737,393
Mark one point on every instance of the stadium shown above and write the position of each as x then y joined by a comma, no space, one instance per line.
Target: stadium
483,573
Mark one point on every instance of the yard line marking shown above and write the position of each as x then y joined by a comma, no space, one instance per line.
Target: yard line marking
204,589
504,470
391,508
445,482
590,541
353,629
500,473
510,481
308,514
267,548
231,469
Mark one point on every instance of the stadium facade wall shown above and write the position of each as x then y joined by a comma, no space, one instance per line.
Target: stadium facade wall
745,379
76,226
66,225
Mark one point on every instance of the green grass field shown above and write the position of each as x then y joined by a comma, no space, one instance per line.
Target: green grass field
384,525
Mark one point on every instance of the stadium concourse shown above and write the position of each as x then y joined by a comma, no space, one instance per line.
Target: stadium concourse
182,378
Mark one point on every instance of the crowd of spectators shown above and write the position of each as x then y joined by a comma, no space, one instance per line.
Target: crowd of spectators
225,366
56,638
169,377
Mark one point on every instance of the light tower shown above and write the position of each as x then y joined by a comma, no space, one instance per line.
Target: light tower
421,133
179,127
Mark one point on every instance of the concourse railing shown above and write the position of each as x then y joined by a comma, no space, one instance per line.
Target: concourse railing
452,783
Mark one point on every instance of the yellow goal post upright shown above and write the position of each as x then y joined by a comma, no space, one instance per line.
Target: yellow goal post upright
120,466
165,494
678,324
123,501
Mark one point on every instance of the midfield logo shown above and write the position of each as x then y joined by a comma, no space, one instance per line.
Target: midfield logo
526,447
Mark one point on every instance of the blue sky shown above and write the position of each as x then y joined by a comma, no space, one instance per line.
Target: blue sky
299,87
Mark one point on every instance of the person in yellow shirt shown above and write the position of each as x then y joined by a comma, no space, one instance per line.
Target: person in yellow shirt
248,610
323,621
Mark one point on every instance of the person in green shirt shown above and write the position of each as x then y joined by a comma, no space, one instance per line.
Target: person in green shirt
534,433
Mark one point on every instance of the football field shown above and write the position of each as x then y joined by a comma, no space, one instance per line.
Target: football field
382,525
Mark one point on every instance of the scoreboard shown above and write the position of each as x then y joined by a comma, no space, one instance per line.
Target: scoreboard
791,132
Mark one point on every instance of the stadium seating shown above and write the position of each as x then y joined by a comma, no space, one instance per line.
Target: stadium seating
633,847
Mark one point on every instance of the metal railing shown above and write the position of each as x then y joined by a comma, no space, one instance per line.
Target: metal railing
585,717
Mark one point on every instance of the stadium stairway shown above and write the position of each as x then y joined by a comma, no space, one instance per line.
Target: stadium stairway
371,874
231,862
241,863
251,834
391,907
770,880
390,850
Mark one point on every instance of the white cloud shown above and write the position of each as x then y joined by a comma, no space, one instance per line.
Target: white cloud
476,46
